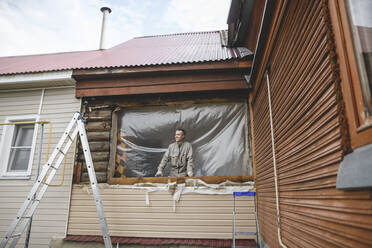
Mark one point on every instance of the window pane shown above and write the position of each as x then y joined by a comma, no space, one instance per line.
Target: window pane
360,12
19,158
23,135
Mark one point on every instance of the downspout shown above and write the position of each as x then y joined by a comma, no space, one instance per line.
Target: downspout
274,162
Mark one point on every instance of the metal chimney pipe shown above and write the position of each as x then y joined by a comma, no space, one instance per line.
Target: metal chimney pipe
105,10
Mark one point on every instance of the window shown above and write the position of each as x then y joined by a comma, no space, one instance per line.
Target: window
360,18
17,147
352,29
216,131
352,25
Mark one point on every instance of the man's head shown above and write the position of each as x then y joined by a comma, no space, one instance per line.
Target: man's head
180,135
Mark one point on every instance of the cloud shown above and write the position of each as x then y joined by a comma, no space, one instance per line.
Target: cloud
198,15
43,26
59,26
49,26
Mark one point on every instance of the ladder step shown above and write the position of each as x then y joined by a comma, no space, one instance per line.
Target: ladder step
60,150
16,235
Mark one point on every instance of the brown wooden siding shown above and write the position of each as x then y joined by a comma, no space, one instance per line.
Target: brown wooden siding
163,83
308,140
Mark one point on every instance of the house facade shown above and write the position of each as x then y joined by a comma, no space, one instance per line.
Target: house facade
193,76
292,80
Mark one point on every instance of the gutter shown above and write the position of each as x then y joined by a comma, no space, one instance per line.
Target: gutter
28,80
262,40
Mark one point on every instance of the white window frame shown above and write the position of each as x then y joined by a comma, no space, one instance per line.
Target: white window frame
6,142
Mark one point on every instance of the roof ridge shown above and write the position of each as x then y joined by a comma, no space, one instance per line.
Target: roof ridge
174,34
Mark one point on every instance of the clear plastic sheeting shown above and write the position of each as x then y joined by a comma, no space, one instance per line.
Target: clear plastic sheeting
217,132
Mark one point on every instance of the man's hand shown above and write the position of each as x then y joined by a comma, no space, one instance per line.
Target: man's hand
190,174
159,173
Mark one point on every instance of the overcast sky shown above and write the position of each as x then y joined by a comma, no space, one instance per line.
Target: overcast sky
48,26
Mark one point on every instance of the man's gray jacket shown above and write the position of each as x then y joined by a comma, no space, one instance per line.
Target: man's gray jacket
180,158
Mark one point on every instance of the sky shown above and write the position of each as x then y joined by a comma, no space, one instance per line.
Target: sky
50,26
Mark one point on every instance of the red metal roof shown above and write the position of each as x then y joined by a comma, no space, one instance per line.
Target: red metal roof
165,241
142,51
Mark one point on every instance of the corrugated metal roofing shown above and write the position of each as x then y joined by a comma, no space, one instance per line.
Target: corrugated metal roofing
142,51
165,241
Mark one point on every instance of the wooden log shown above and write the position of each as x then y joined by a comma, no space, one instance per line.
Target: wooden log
96,156
99,115
97,136
98,166
101,146
113,143
98,126
101,177
77,175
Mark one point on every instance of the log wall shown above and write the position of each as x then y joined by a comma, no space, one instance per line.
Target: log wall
98,131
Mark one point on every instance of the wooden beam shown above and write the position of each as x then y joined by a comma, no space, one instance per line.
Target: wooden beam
169,88
89,73
169,78
78,172
113,144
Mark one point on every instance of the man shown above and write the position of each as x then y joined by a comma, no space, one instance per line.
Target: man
180,155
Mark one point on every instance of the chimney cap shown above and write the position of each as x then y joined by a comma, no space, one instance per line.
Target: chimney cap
106,8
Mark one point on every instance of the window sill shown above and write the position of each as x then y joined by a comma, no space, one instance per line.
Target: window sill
15,177
355,170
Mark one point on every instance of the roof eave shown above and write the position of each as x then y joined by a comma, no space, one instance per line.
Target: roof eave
40,79
140,70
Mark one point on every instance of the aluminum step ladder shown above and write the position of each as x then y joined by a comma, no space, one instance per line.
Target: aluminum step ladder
234,232
49,170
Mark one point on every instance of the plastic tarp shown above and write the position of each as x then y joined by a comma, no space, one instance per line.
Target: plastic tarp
217,132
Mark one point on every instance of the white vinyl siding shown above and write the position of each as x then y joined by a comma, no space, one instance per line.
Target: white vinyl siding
196,216
50,218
